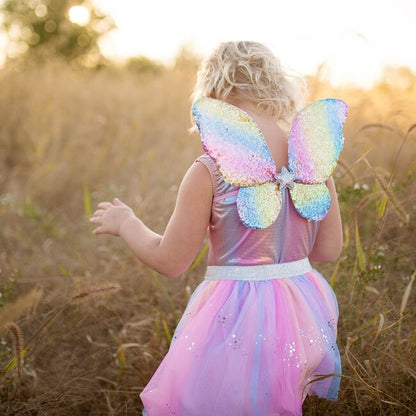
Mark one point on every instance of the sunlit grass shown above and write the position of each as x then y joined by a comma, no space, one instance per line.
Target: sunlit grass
69,139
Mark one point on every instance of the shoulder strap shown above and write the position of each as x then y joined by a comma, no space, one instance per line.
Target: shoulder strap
213,171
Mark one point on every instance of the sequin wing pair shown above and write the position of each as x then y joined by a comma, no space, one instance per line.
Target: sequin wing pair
235,143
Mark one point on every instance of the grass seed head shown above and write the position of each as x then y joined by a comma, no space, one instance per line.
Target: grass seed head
93,291
17,341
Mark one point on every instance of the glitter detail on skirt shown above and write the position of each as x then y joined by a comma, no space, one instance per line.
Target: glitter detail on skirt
250,348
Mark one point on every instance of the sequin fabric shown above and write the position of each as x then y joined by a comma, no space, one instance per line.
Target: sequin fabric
257,346
315,140
235,143
311,201
250,344
257,205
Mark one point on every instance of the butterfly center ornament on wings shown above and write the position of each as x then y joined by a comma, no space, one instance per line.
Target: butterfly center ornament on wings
285,179
236,145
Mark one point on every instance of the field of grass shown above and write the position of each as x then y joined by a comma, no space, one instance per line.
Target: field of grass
83,325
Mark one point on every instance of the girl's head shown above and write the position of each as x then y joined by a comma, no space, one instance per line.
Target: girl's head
248,71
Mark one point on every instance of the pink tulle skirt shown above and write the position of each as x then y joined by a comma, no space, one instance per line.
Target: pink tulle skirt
245,348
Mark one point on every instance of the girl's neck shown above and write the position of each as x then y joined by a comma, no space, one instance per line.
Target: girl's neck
248,106
253,110
275,137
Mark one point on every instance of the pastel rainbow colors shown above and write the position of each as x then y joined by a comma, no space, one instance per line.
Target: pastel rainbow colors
316,140
235,143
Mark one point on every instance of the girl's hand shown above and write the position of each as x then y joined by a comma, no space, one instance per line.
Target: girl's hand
110,216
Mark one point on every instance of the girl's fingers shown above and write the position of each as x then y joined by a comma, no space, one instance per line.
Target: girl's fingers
97,216
107,216
105,205
116,201
97,231
98,213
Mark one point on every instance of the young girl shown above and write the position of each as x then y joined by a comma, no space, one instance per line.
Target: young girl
261,327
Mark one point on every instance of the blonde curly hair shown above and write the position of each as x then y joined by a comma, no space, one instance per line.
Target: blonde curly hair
245,70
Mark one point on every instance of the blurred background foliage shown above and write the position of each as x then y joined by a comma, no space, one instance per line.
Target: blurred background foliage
39,29
76,129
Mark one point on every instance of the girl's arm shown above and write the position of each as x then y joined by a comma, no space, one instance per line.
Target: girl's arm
173,252
329,240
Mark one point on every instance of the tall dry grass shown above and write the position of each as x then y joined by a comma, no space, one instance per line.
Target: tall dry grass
71,138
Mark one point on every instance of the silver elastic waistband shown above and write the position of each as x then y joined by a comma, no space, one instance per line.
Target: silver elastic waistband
259,272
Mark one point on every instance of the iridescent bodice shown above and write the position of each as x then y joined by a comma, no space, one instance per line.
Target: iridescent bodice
289,238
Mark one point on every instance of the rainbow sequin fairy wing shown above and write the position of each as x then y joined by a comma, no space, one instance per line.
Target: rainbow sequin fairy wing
235,143
258,206
315,142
